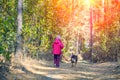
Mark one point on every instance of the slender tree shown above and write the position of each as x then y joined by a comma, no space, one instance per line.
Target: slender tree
19,28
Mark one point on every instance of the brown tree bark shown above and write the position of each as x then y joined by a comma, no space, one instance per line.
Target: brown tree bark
19,28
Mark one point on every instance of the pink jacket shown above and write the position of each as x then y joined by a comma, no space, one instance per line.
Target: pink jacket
57,46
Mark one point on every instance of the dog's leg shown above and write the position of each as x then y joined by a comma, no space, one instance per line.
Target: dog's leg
75,64
72,65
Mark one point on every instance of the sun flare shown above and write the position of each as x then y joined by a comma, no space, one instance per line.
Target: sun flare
87,2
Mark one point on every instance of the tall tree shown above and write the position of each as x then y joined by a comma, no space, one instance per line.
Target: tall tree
19,28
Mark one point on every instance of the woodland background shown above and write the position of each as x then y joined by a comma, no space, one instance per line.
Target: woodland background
43,20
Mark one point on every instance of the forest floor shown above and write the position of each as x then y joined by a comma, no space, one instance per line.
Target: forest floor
43,70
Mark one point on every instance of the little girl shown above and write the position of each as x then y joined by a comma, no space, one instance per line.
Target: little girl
57,46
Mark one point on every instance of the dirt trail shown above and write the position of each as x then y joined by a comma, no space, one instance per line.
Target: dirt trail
38,70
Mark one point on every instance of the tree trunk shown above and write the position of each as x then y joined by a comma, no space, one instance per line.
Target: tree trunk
19,29
91,31
118,49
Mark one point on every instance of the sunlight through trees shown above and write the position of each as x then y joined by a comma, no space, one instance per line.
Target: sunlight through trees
42,20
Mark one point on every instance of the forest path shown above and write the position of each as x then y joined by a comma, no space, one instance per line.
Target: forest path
38,70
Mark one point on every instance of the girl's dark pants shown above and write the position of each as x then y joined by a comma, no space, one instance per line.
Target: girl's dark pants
57,60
